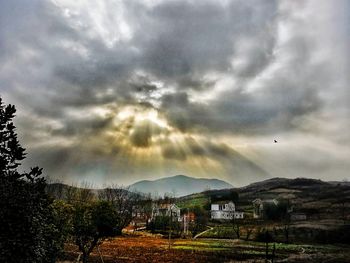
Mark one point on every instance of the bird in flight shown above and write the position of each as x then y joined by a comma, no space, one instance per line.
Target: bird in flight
275,141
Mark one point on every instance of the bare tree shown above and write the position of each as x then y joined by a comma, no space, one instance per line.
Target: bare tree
74,194
144,207
249,230
85,193
286,230
236,224
286,219
236,227
55,188
71,194
123,200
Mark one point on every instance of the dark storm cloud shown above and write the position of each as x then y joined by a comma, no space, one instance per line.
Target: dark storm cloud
182,40
236,163
190,38
56,159
215,68
195,148
243,113
79,127
173,152
142,132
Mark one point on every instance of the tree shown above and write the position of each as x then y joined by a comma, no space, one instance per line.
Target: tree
27,224
123,201
62,219
277,211
55,189
249,230
200,220
236,225
91,223
266,236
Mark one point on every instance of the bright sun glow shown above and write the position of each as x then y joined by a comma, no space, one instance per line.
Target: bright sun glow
140,114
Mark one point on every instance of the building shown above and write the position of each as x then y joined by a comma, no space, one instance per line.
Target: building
225,211
170,210
258,206
141,215
187,219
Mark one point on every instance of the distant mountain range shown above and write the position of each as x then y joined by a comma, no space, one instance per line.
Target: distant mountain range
178,185
301,190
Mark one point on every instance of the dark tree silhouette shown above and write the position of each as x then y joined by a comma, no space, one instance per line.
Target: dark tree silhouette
26,219
91,223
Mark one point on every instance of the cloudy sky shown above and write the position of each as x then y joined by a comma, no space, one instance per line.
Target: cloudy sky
117,91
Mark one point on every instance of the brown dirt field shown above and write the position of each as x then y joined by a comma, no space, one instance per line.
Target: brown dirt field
150,248
134,249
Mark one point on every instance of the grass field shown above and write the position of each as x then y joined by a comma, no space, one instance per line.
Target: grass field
195,200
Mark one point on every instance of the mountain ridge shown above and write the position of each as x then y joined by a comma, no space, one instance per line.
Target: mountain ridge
178,185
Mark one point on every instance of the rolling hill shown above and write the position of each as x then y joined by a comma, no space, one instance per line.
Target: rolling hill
316,198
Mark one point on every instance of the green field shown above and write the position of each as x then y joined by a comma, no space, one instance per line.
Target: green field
283,252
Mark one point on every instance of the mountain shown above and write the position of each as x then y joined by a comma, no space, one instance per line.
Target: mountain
179,185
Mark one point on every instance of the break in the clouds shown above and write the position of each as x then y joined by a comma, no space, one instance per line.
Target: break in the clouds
118,91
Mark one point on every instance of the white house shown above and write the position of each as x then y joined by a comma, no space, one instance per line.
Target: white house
225,211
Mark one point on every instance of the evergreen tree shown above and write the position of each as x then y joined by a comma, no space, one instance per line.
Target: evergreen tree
26,220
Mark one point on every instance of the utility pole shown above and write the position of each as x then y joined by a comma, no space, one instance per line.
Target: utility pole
186,222
170,222
185,227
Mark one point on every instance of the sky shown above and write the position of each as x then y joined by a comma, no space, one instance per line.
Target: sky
117,91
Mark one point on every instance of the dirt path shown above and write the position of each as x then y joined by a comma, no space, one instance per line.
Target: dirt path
202,233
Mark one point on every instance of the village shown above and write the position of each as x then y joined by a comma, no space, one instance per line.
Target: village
219,212
292,211
251,224
223,211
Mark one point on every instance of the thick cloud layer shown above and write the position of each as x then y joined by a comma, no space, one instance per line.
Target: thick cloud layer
117,91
